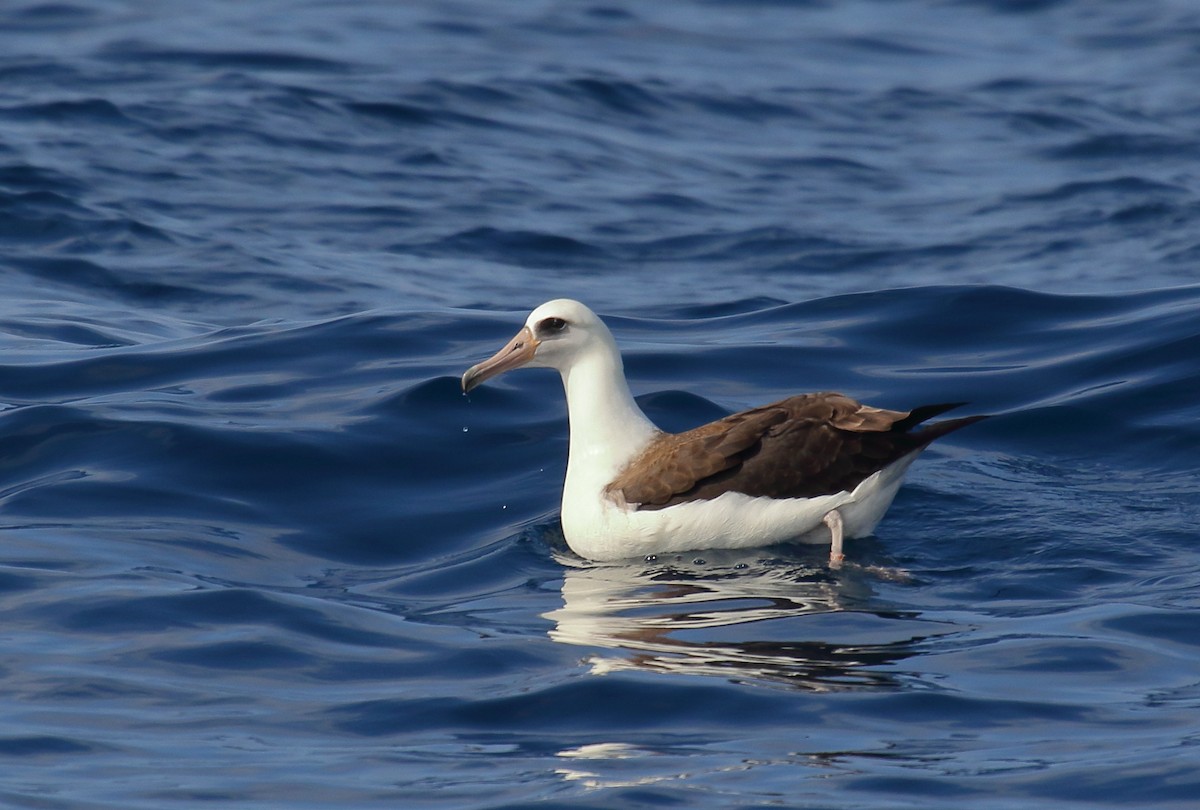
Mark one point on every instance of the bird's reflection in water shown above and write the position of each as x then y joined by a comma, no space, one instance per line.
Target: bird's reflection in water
775,620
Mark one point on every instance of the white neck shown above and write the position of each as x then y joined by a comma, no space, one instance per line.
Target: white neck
607,427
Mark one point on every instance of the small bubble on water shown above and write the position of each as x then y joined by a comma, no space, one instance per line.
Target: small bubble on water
698,561
465,429
740,566
651,557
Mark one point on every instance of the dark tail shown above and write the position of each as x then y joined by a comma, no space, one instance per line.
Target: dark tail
928,433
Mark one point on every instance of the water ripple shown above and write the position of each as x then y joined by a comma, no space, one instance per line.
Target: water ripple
259,549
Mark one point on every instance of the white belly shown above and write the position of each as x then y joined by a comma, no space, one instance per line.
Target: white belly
600,529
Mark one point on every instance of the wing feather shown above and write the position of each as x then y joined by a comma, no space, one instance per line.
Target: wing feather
804,446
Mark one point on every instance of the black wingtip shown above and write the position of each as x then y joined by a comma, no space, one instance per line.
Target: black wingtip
937,430
925,412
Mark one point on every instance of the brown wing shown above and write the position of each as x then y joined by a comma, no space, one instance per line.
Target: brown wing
808,445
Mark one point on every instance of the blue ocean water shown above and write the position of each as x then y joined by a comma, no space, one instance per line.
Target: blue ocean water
257,550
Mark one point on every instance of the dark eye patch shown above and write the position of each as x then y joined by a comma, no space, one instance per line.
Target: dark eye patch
552,325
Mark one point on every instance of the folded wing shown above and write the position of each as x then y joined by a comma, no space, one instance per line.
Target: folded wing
800,447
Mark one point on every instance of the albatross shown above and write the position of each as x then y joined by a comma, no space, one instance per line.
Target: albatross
810,468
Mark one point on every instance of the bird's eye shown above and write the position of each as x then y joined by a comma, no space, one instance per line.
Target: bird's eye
552,325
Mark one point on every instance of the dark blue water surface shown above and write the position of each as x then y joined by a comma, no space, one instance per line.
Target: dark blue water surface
256,549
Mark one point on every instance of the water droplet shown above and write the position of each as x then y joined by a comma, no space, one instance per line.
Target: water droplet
465,429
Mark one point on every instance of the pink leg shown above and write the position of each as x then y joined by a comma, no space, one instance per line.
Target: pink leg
834,521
